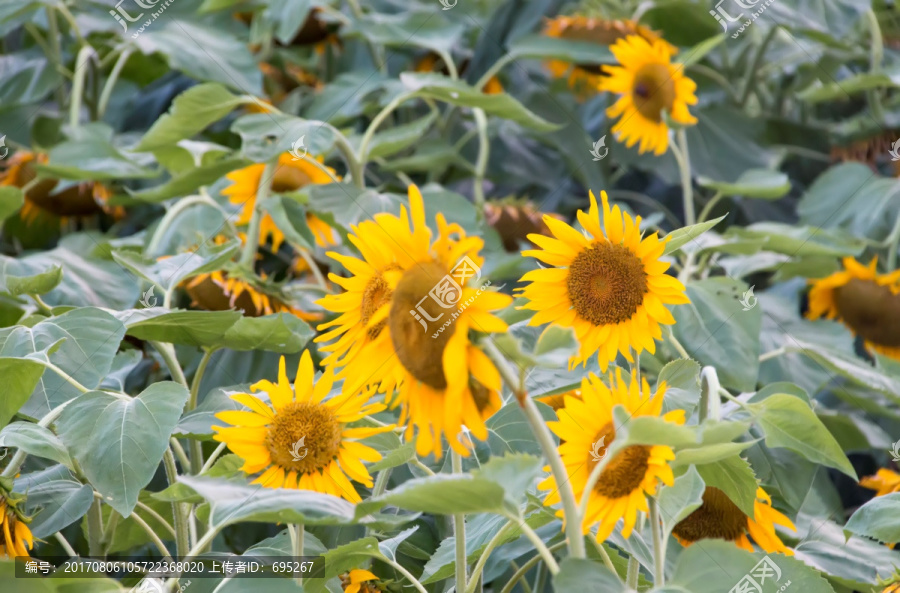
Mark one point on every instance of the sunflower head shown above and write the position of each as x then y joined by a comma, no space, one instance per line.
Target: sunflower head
719,518
359,581
884,481
220,291
514,220
609,284
866,302
405,321
15,536
586,429
300,437
649,85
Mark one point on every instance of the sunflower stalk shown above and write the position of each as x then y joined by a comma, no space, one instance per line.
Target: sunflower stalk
484,149
297,533
81,68
459,531
659,545
710,405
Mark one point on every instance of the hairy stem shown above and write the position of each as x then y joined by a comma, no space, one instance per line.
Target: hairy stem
459,531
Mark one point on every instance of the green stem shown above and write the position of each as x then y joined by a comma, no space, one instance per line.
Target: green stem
396,566
709,206
684,168
754,67
659,546
157,517
95,529
541,548
493,70
381,482
634,571
15,464
66,546
484,148
710,405
248,256
81,68
43,307
196,447
373,126
448,61
173,213
773,353
56,56
605,556
297,534
212,458
110,83
73,24
876,58
521,572
182,541
356,165
167,351
482,560
459,531
179,452
676,344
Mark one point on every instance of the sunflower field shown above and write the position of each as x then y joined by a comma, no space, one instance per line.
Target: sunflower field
449,296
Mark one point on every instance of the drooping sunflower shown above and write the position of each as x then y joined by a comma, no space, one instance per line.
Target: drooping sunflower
404,322
291,174
719,518
884,481
867,302
649,84
585,78
300,439
586,430
609,284
514,220
357,581
219,291
15,537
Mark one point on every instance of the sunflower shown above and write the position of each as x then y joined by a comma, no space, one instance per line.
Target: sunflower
611,287
585,78
719,518
892,588
586,430
404,324
864,301
883,482
649,84
83,199
269,436
356,581
514,220
219,291
15,537
290,175
323,232
558,401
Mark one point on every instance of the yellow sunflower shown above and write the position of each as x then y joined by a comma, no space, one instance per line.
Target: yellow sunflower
586,78
404,322
514,220
300,439
15,537
649,85
325,235
719,518
892,588
558,401
218,291
866,302
586,430
883,482
610,287
356,581
290,175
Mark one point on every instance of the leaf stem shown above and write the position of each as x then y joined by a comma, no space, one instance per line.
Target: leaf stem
95,527
167,351
248,255
459,531
659,546
540,546
710,405
682,156
709,206
363,153
110,83
484,149
178,512
482,560
212,458
521,572
415,582
172,213
81,68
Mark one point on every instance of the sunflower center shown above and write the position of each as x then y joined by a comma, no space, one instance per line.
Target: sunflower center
717,518
289,178
418,352
871,310
376,294
606,283
653,91
304,437
624,472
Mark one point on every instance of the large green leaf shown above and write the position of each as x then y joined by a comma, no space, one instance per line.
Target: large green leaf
35,440
20,377
38,284
191,328
91,156
681,499
56,499
27,77
264,136
762,184
796,240
734,477
409,28
171,271
119,441
189,181
577,575
11,200
681,237
557,48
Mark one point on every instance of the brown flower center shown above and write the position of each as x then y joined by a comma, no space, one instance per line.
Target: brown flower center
376,294
717,518
624,472
653,91
304,437
419,353
871,310
289,178
606,283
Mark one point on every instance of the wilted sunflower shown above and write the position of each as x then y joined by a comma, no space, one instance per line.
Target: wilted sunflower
381,336
290,175
15,537
884,481
218,291
649,85
356,581
866,302
585,78
586,430
610,287
514,220
300,438
719,518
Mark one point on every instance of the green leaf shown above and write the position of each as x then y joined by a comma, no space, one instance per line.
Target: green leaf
789,422
287,17
280,332
510,432
557,48
681,499
290,218
35,440
20,377
192,111
577,575
232,502
55,498
852,368
456,92
119,442
265,136
734,477
708,453
189,181
682,379
763,184
129,533
348,205
796,240
409,28
11,201
684,235
92,158
171,271
716,330
190,328
845,88
198,422
227,466
879,519
340,560
38,284
699,51
398,138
